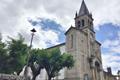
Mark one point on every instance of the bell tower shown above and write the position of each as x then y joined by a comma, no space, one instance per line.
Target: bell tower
85,49
84,22
83,19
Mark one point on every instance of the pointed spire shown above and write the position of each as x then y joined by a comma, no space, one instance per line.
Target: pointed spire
83,9
76,14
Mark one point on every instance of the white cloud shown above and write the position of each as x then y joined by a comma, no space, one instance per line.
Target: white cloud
14,19
105,11
41,37
110,43
116,49
62,11
112,58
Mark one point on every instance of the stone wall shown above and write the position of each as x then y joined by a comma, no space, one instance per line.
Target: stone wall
10,77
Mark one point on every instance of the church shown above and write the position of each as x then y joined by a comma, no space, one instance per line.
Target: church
82,45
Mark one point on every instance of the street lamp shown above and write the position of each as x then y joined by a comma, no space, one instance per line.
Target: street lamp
27,65
33,31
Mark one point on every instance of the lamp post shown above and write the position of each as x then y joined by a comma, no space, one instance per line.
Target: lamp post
27,65
33,31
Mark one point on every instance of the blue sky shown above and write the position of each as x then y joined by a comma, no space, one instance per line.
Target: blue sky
47,24
109,36
54,19
108,31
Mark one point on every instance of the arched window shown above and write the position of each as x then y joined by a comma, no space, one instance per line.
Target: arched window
83,22
97,64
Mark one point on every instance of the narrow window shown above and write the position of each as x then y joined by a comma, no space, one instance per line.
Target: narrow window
83,63
83,23
71,41
79,23
86,77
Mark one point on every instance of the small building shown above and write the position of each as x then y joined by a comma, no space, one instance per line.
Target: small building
108,75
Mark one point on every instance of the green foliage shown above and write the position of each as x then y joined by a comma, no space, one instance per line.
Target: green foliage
17,54
3,57
53,61
13,56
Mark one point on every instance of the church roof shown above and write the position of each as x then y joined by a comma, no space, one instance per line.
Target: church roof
74,28
61,44
69,29
83,9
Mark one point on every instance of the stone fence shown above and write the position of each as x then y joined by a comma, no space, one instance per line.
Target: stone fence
10,77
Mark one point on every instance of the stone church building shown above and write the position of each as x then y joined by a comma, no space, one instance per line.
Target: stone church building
83,46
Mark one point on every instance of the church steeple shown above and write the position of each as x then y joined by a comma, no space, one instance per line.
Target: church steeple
83,9
84,19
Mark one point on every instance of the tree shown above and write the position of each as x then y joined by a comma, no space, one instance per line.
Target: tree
53,61
13,55
17,51
33,64
3,57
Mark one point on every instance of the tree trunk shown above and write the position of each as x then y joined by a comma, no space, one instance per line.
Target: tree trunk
49,77
34,77
35,71
26,71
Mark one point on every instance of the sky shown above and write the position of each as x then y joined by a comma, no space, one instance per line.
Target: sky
52,18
